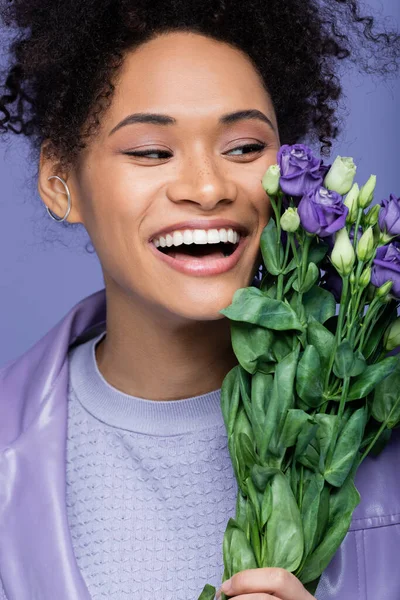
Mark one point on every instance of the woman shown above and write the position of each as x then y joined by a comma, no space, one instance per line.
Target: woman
153,124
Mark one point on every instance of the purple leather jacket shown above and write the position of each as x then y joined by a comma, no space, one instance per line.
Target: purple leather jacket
36,554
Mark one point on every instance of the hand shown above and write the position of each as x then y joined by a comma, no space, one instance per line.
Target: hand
264,584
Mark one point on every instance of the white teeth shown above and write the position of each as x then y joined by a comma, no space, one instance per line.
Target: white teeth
178,238
197,236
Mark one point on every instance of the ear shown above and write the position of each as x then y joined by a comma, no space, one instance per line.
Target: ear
53,192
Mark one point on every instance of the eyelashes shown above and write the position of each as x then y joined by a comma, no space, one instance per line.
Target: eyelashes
164,154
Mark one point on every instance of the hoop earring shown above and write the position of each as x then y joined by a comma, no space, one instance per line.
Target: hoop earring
69,200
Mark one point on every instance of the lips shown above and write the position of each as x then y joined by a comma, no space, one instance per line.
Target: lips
203,266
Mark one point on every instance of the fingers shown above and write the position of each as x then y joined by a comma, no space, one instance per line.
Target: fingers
267,581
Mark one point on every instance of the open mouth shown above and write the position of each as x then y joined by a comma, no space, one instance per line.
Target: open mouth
187,251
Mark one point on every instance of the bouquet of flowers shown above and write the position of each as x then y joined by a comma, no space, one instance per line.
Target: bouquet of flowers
315,389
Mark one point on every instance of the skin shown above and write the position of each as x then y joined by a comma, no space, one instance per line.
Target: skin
166,339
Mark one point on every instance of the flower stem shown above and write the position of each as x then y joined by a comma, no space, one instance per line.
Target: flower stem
338,336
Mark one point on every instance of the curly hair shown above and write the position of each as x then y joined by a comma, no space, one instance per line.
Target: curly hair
65,54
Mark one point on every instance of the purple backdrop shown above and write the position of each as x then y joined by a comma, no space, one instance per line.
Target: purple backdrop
41,280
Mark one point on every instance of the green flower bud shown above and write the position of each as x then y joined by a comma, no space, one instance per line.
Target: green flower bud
371,218
341,175
352,278
366,245
290,220
367,192
351,202
365,277
382,291
391,339
343,256
270,181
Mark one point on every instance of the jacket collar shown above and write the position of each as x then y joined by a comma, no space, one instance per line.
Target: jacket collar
36,553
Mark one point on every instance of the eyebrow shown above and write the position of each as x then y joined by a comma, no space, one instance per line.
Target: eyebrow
160,119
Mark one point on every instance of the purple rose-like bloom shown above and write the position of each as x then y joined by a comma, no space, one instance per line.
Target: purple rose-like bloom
386,265
322,212
300,170
389,216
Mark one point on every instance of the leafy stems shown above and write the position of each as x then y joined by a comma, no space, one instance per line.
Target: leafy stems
338,336
345,389
357,225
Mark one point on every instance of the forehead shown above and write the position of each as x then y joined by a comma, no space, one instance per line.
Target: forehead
184,73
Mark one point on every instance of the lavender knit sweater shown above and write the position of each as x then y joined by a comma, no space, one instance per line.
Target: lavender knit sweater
150,488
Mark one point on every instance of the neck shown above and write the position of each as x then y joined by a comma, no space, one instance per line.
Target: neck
153,357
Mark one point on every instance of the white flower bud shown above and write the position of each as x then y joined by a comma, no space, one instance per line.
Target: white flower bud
351,201
270,181
343,255
365,277
366,245
391,339
382,291
290,220
341,175
367,192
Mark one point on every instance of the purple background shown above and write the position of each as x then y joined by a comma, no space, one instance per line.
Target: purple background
45,270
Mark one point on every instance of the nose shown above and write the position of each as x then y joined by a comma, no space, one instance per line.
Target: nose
204,182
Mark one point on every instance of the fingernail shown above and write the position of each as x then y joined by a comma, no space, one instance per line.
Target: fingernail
218,594
226,586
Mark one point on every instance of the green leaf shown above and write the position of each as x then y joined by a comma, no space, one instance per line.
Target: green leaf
256,498
282,396
271,248
261,476
266,506
285,531
343,360
317,250
312,276
251,344
386,402
388,316
247,449
372,375
323,517
306,435
240,550
319,303
323,340
347,448
294,423
342,503
261,395
245,391
309,384
241,509
230,396
252,306
326,425
281,346
310,458
310,508
208,592
359,364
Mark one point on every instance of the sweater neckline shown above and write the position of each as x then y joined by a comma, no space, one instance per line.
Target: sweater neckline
153,417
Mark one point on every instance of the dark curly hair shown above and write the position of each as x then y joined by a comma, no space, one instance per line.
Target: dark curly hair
65,54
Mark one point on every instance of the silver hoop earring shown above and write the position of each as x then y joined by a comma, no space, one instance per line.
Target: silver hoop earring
69,200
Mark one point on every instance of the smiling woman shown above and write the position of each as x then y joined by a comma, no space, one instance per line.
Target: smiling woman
152,124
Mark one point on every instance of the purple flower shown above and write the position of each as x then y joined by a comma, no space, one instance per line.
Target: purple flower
322,212
386,265
389,216
301,171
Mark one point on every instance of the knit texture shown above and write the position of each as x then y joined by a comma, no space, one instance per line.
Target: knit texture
150,488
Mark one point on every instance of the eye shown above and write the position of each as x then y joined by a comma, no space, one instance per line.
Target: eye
147,153
252,149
